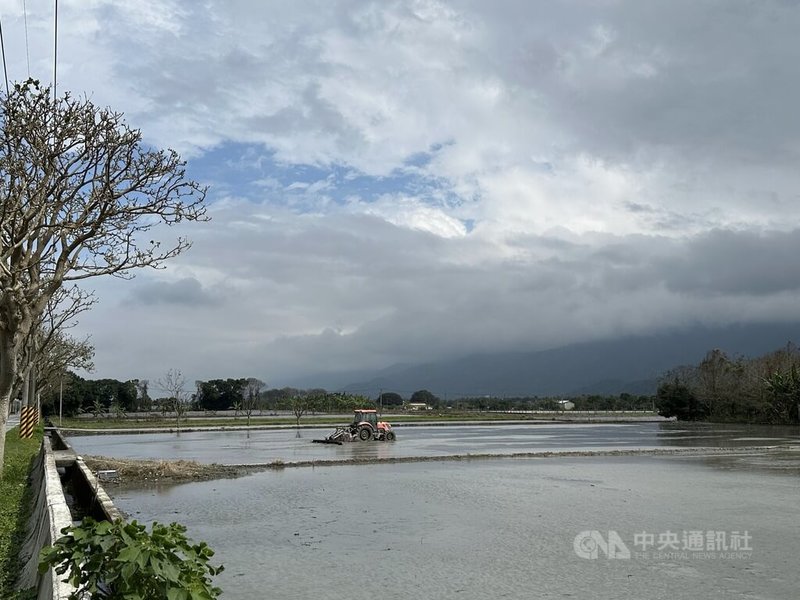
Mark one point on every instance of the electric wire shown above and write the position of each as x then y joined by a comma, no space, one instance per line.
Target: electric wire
27,47
55,51
3,48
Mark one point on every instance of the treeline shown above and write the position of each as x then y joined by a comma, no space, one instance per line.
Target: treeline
96,395
113,397
247,395
765,389
592,402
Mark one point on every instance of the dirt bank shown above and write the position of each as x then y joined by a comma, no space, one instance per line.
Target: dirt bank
160,471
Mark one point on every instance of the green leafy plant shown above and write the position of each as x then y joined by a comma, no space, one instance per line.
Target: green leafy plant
784,388
98,408
122,561
118,410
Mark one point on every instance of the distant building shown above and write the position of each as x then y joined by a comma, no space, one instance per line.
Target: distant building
566,405
417,406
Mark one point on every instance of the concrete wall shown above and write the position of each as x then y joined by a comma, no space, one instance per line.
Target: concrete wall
51,512
58,441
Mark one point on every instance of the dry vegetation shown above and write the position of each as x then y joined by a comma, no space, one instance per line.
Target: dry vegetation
163,471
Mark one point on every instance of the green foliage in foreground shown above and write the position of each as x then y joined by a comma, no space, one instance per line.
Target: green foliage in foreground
15,506
122,561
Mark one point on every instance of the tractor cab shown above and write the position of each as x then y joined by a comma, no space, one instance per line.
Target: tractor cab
366,415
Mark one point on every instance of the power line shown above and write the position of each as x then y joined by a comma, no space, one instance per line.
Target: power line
55,51
27,49
3,48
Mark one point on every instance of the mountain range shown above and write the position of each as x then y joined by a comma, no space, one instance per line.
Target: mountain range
631,364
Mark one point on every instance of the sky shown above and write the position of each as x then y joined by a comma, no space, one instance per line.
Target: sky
406,181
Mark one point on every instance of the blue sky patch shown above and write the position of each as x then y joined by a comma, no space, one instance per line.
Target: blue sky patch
251,171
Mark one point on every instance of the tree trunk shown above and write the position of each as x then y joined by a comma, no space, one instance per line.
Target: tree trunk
7,373
5,400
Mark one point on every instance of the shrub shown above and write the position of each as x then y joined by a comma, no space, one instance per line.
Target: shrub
116,561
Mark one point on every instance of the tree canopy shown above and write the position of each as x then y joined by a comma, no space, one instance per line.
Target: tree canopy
80,193
390,399
424,397
764,389
220,394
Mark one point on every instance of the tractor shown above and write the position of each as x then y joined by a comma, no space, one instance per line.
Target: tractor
365,426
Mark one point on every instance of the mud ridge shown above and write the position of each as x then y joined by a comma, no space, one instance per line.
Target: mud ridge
689,451
181,471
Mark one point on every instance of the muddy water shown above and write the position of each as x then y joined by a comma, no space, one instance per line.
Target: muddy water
490,529
236,447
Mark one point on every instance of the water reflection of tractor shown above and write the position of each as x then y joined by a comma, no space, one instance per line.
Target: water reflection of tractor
364,426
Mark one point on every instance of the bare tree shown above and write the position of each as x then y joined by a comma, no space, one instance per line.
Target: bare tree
48,350
251,396
301,404
63,352
79,193
177,401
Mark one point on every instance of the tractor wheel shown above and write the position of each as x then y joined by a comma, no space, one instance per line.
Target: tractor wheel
390,436
365,434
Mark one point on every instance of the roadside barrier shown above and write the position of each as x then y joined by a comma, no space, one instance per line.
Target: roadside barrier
28,419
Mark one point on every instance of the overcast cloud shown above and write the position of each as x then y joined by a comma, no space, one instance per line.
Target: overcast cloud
404,181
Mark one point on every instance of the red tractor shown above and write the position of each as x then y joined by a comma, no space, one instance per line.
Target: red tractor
365,426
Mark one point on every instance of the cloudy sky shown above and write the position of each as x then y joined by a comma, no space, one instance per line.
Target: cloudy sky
399,181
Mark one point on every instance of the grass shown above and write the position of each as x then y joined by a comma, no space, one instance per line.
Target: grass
15,507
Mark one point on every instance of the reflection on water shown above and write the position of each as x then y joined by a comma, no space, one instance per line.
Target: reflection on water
776,462
487,529
727,435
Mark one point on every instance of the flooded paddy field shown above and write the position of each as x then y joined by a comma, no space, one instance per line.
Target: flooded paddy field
501,528
265,446
490,528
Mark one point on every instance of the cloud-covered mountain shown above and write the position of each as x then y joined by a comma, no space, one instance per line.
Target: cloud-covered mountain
420,180
631,364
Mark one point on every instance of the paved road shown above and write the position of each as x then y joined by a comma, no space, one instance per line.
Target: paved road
13,421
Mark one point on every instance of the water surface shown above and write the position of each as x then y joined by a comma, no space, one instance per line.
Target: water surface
478,529
487,529
263,446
